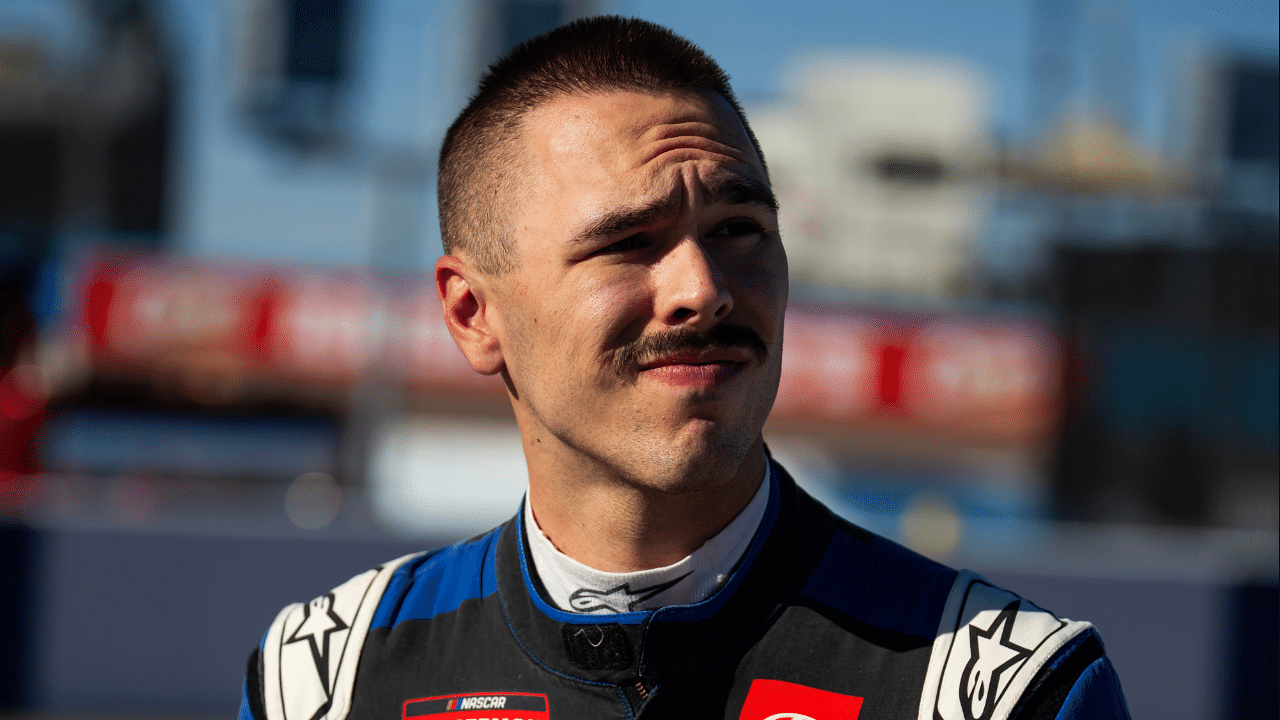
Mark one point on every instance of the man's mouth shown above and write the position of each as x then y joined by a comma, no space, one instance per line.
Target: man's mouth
728,356
703,368
703,375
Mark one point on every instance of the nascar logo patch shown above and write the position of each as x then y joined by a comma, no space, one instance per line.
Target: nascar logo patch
478,706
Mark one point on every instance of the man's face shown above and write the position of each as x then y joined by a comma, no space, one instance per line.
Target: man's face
642,327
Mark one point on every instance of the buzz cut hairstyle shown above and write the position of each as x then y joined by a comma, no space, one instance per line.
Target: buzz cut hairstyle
478,180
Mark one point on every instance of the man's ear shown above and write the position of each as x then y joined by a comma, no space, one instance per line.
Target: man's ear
468,313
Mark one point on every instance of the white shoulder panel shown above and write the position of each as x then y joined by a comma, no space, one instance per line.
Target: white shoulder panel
989,647
311,652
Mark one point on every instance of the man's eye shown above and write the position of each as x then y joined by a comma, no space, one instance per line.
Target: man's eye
738,228
634,242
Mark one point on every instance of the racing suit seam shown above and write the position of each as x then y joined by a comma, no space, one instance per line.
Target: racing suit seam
626,704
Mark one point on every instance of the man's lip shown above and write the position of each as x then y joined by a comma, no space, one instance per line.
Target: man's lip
705,357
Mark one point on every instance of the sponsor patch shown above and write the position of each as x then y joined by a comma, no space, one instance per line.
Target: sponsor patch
478,706
778,700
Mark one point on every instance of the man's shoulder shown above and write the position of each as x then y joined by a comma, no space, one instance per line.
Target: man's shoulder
1015,650
421,585
876,581
439,581
313,648
1025,658
309,654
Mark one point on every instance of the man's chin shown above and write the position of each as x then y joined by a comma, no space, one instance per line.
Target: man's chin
704,467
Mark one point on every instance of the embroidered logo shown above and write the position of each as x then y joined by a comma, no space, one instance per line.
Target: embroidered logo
473,706
994,643
620,599
778,700
310,653
319,621
989,658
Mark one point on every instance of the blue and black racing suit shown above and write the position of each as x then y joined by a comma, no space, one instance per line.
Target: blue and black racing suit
820,619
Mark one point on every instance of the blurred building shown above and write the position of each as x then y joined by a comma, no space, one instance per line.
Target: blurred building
85,116
85,127
879,164
254,135
1164,271
946,408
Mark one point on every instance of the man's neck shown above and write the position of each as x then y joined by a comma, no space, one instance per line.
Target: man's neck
617,526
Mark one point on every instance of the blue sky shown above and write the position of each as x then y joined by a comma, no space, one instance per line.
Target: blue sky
754,40
409,101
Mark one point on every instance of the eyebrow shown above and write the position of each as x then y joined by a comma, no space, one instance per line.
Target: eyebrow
732,190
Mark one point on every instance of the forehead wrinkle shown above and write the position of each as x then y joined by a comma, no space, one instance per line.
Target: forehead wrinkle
698,131
693,147
694,137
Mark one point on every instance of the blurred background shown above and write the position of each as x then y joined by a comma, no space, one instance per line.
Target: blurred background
1033,325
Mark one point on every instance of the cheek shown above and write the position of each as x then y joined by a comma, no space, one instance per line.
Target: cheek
761,286
567,338
615,307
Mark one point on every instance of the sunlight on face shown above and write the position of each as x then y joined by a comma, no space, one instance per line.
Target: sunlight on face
642,330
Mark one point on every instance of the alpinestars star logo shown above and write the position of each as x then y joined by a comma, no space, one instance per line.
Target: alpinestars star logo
620,599
989,658
319,621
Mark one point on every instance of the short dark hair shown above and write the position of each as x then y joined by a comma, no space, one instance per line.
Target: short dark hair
592,55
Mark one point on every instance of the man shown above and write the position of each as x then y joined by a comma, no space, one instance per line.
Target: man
612,251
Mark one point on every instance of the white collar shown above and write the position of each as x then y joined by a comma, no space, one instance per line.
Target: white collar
578,588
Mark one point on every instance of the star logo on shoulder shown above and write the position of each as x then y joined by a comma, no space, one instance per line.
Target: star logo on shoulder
319,621
989,658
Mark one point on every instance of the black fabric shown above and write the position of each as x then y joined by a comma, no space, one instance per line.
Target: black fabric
253,685
598,647
1053,684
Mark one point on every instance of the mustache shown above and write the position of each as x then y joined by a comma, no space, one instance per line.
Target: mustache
720,337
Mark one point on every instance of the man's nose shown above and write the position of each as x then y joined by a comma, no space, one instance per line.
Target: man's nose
691,287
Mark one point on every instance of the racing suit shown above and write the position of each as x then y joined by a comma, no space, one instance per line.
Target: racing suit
820,619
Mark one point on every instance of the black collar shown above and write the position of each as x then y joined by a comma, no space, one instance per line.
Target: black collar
674,642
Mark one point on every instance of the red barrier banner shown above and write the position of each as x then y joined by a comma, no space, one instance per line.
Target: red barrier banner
953,373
